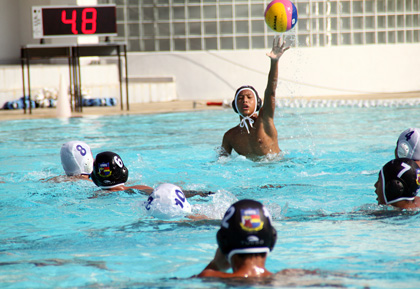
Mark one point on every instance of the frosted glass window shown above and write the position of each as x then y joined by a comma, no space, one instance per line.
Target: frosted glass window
381,37
226,43
163,29
241,11
369,6
370,22
409,36
303,9
416,20
120,13
146,14
241,26
357,7
226,27
194,12
391,21
358,23
345,23
209,12
400,21
257,10
409,20
133,13
164,45
400,6
225,11
334,24
258,26
381,5
180,44
358,38
195,43
391,5
211,43
302,40
134,45
346,39
303,25
148,29
149,45
194,28
370,38
242,43
163,13
133,30
258,42
179,29
381,21
400,36
121,30
344,7
179,13
210,28
392,37
333,9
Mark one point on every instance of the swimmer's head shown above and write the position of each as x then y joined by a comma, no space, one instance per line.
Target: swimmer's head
109,170
408,144
167,201
246,228
398,180
258,101
76,158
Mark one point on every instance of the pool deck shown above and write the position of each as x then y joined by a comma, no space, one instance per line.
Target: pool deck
172,106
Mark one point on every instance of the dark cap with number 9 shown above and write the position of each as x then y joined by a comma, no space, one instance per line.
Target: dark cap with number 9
109,170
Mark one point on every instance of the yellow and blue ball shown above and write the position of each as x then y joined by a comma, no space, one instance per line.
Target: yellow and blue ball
281,15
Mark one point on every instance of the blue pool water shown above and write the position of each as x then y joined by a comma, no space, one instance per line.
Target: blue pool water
323,202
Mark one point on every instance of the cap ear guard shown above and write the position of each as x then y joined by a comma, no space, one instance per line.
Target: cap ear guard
404,150
394,190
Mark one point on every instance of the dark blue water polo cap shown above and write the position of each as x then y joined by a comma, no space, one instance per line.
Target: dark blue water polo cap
400,180
246,228
109,170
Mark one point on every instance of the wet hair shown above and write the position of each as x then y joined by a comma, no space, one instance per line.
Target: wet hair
109,170
400,180
246,229
249,87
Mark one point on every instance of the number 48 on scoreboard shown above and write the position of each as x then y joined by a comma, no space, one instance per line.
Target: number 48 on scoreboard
59,21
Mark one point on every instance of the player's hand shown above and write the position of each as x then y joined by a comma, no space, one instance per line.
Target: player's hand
278,48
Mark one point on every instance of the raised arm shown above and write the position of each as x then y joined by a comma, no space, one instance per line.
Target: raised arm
270,91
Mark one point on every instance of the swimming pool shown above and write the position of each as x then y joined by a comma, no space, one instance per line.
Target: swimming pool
323,201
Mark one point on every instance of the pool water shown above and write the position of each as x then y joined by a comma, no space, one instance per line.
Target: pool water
321,196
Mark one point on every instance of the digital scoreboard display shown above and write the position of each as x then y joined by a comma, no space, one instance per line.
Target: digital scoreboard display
59,21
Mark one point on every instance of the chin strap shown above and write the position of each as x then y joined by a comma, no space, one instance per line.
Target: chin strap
243,122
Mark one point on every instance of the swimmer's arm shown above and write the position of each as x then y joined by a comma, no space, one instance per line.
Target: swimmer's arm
270,91
226,148
191,193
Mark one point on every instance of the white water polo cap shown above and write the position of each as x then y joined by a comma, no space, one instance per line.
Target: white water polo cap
408,144
258,104
76,158
167,201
